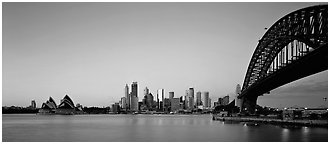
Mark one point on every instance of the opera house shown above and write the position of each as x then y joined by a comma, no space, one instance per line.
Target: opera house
66,107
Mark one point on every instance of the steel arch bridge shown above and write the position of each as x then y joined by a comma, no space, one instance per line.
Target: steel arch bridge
294,47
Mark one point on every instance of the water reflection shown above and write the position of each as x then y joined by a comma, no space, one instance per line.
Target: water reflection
285,134
139,128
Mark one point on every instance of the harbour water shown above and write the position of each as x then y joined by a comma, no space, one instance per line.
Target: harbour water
148,128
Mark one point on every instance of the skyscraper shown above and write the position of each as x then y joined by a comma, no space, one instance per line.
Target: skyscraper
134,97
171,95
146,91
134,89
198,98
205,99
160,94
134,103
123,103
237,100
191,102
175,104
191,98
128,102
150,101
186,100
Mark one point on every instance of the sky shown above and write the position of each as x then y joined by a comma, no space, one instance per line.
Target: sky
90,51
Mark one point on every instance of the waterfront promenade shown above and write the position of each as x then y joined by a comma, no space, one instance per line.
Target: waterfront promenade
313,123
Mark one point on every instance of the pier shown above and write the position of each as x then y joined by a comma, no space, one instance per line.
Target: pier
311,123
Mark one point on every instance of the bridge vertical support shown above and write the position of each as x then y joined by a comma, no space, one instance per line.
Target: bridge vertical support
249,105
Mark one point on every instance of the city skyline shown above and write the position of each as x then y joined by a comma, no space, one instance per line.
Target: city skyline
90,51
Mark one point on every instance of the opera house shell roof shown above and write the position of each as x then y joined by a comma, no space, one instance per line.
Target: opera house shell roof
65,107
50,104
66,103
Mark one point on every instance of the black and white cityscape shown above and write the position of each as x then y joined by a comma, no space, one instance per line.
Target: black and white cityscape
165,72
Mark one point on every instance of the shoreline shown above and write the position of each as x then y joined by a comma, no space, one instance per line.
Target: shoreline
309,123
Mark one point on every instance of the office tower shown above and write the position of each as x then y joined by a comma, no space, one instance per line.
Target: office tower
225,100
237,100
123,103
175,104
134,89
205,99
134,106
115,108
134,103
33,104
157,100
167,104
198,98
209,103
161,103
191,102
150,101
191,98
191,92
186,100
128,98
171,95
146,91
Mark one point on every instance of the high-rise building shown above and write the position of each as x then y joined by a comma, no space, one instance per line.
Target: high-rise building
134,103
161,103
123,103
175,104
191,102
209,103
171,95
237,100
134,97
150,101
115,108
167,104
191,92
146,91
198,98
191,98
33,104
205,99
186,100
134,89
128,102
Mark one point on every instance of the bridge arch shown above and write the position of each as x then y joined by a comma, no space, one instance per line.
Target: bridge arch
287,43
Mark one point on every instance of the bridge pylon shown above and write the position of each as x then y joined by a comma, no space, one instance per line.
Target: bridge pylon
248,105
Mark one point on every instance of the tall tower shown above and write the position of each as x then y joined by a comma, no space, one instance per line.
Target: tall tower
171,95
237,92
205,96
134,97
134,89
128,98
198,98
191,98
160,93
146,91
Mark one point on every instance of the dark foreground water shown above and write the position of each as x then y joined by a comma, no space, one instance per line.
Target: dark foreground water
136,128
